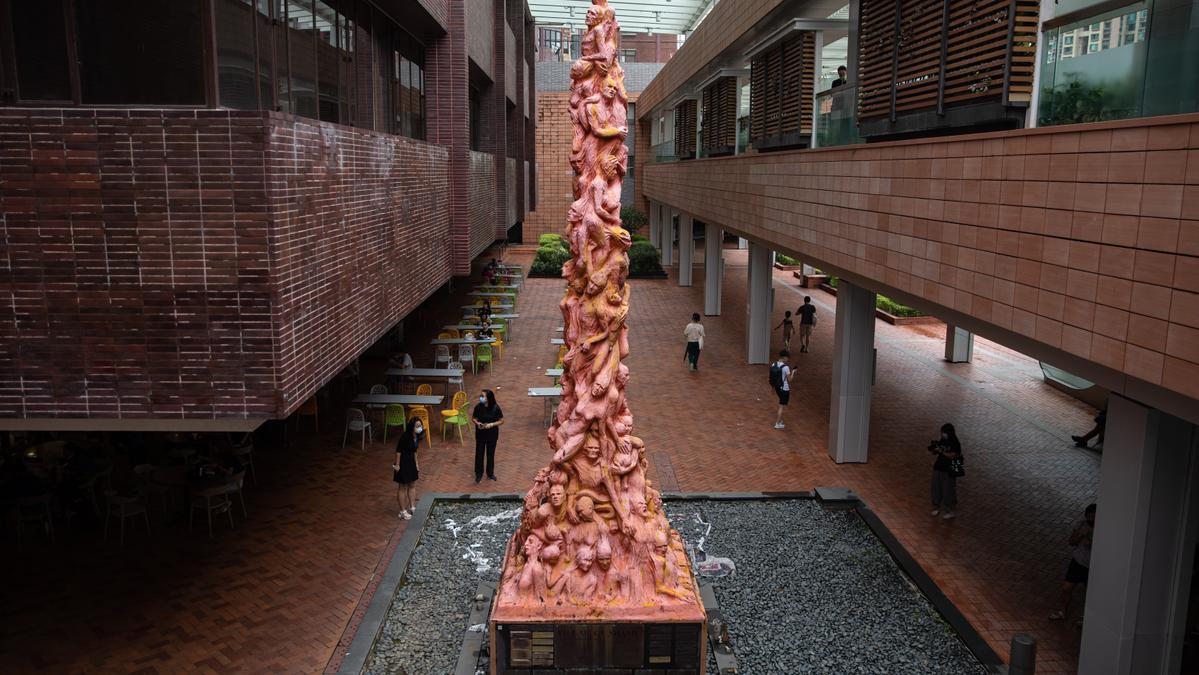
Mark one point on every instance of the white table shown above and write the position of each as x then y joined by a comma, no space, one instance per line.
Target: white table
428,373
553,372
400,399
510,318
557,341
487,288
496,294
473,327
474,309
559,329
462,341
549,395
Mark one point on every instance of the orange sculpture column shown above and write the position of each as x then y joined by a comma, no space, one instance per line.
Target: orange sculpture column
595,577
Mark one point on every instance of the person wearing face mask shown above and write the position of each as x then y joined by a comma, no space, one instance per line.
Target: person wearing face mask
946,470
487,418
405,470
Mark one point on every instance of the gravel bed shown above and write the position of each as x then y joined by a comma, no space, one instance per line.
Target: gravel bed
813,592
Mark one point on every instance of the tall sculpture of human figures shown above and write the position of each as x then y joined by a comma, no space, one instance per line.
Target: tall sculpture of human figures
593,531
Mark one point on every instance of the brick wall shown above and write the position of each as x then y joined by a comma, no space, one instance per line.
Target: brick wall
360,236
1080,243
656,48
480,34
483,201
203,264
553,172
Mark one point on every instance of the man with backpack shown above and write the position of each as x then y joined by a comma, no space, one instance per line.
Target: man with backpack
780,379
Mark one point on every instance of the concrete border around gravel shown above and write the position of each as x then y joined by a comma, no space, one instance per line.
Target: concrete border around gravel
369,629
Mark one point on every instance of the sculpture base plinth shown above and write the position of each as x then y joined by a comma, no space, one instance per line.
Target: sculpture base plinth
543,647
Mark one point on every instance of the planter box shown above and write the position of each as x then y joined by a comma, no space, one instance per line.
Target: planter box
891,318
810,280
787,268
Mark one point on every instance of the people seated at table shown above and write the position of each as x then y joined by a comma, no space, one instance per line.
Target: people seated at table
484,310
398,359
485,332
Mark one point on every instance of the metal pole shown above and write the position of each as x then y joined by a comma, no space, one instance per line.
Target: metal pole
1024,655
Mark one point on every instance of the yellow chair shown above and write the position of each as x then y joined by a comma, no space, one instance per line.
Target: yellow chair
561,356
472,319
498,345
309,409
459,417
453,333
422,413
424,390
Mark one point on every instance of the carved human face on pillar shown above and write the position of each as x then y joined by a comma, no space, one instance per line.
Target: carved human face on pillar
557,496
585,508
532,547
584,558
594,16
660,543
609,89
640,507
603,555
591,448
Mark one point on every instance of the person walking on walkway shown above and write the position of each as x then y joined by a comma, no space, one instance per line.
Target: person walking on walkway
1079,569
694,332
946,470
1097,430
487,418
781,374
788,327
807,321
406,470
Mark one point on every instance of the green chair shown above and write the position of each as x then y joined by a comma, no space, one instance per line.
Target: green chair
460,419
393,416
483,355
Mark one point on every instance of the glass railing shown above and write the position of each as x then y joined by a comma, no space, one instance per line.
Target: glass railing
835,121
742,134
664,152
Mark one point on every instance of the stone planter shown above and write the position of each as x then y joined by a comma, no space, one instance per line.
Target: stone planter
787,268
891,318
810,280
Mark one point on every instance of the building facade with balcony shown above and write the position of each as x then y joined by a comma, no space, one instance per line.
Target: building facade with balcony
1025,171
212,207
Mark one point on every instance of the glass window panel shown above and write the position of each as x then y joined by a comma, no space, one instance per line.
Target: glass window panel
1095,78
328,61
266,55
1172,71
40,37
301,47
281,36
236,71
140,51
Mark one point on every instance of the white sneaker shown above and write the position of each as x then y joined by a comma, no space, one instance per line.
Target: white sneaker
949,515
936,512
407,515
779,425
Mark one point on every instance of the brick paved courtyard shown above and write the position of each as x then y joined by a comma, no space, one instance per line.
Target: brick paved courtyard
278,592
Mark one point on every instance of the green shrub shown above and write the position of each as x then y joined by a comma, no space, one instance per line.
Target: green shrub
831,281
894,308
783,259
644,259
638,237
632,218
549,239
550,258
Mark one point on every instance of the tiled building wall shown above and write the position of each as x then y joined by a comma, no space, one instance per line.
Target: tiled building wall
480,34
360,236
554,136
203,264
448,111
553,173
482,200
656,48
134,286
1084,239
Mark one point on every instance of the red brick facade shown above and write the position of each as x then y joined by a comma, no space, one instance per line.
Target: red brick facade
204,264
656,48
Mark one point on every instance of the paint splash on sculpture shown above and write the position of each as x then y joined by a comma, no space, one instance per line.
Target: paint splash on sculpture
593,531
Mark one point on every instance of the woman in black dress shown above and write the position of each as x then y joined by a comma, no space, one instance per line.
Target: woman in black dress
944,486
487,418
406,471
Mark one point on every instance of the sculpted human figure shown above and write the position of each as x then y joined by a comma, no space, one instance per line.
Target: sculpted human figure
533,575
599,41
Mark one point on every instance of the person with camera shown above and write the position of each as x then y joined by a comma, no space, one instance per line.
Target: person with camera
947,468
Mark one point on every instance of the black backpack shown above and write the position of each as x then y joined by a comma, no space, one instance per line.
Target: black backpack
776,375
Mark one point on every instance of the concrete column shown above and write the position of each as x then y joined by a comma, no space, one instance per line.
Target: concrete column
853,374
713,268
1144,544
760,295
959,344
654,223
686,247
667,246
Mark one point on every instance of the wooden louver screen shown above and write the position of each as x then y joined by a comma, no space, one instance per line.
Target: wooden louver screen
927,55
684,128
781,89
719,100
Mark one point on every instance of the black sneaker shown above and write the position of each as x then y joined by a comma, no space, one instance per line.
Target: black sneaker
491,478
478,479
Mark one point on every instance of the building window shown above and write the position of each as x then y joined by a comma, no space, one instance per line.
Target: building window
476,119
628,55
39,31
140,52
301,47
408,86
237,70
